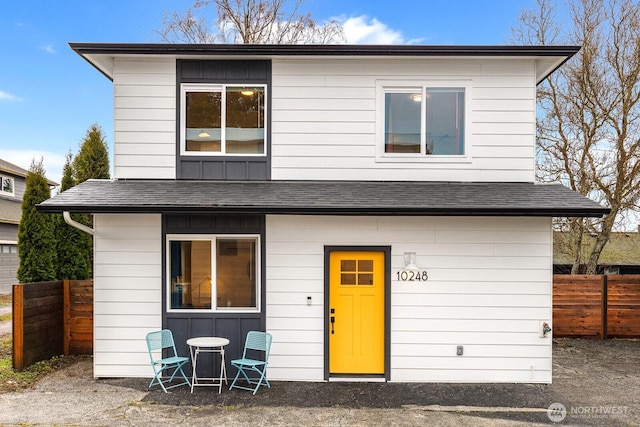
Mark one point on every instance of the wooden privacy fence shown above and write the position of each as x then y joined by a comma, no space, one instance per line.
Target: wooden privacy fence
51,318
596,306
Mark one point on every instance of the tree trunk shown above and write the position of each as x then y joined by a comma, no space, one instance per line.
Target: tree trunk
575,234
601,241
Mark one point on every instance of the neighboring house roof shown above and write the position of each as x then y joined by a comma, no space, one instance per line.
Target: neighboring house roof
622,249
12,169
101,55
324,198
10,211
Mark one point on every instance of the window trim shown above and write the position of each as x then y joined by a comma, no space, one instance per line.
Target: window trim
213,239
403,86
217,87
13,186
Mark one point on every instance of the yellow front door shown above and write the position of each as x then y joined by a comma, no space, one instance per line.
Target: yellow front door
356,312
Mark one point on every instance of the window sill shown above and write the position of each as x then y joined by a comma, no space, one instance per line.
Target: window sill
209,311
417,158
216,154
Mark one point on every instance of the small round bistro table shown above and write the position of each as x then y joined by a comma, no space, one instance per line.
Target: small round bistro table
207,345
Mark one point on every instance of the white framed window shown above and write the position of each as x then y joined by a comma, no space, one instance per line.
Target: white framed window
9,249
222,119
213,273
423,120
7,186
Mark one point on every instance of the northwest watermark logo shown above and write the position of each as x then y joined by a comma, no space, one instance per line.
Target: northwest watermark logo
557,412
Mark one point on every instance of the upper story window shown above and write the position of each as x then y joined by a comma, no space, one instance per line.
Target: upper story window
222,119
421,121
7,186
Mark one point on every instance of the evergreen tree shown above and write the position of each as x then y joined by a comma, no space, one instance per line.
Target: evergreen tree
68,180
73,246
92,161
36,240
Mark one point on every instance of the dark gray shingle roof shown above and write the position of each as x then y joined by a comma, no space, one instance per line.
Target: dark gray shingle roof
324,197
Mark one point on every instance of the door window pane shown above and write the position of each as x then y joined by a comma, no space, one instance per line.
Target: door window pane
365,265
348,265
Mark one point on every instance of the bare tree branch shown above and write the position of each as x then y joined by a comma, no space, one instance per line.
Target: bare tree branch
589,127
248,22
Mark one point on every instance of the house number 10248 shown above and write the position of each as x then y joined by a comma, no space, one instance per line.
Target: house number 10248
412,276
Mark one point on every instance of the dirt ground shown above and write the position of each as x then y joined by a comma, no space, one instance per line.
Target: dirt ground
6,326
598,382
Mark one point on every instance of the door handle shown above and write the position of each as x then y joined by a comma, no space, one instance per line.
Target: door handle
333,321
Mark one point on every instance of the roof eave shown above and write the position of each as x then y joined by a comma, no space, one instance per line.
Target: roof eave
330,210
101,55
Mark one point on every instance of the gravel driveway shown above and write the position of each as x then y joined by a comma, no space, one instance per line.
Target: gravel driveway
598,382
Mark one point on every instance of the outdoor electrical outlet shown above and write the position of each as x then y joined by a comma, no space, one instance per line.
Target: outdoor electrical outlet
459,350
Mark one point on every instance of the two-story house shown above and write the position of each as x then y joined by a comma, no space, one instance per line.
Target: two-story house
12,186
372,207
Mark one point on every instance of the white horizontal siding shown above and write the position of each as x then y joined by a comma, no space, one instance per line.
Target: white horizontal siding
127,292
324,119
489,287
145,118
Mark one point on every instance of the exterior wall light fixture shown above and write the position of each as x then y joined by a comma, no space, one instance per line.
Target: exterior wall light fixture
410,261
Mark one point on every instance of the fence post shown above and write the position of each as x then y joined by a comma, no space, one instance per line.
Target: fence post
18,327
66,316
605,306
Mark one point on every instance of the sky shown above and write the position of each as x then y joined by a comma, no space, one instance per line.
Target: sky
49,96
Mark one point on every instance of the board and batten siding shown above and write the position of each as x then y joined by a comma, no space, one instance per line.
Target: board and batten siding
489,287
324,116
145,118
127,292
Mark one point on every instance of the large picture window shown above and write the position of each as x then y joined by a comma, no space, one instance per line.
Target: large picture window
223,119
213,273
425,120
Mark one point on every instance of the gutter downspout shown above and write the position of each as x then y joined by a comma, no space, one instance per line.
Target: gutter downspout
75,224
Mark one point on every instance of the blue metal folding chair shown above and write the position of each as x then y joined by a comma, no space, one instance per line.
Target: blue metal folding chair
256,343
157,343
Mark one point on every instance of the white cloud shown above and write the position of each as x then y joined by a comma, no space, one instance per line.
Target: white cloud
49,49
365,30
53,162
6,96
